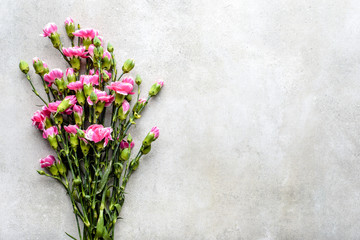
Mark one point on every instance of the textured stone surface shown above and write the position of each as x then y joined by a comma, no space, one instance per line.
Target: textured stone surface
259,118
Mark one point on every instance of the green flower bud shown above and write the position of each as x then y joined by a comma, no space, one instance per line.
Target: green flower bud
41,172
84,147
87,42
99,107
60,83
129,97
80,97
53,142
98,52
118,169
53,170
38,66
138,79
66,103
88,89
128,65
47,123
70,28
119,98
93,97
105,77
134,164
58,119
24,67
145,149
125,154
129,138
156,87
110,47
80,133
61,167
55,39
74,141
75,63
96,41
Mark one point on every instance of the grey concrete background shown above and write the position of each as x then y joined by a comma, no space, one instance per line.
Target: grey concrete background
259,118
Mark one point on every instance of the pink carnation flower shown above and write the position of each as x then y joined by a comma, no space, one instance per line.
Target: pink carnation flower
128,80
49,29
103,97
122,88
52,108
51,131
51,76
107,54
74,51
72,129
70,71
142,100
125,106
160,82
125,144
69,21
89,79
86,33
97,133
75,86
78,110
155,130
47,161
38,120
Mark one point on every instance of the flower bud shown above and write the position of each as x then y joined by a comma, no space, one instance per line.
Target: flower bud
145,149
98,52
152,136
97,41
60,83
88,89
128,97
55,39
53,142
80,133
129,138
61,167
118,169
58,119
134,164
68,101
155,89
69,27
74,141
93,97
128,65
125,154
105,77
84,148
24,67
38,65
80,97
75,63
87,42
110,47
99,107
70,75
138,79
41,172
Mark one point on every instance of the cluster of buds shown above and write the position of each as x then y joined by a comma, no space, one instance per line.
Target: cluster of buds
92,157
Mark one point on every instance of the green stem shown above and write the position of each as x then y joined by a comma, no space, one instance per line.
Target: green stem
34,90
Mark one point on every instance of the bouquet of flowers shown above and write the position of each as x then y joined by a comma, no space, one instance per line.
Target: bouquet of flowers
93,162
